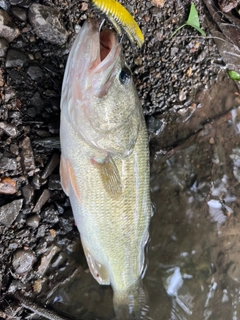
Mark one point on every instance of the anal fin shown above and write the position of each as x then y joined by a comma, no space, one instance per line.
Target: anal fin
97,269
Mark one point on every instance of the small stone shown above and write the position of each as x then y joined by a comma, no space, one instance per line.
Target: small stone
51,165
23,261
27,156
38,284
46,24
3,47
182,95
36,101
14,149
7,186
19,13
8,30
53,233
35,72
211,140
36,183
9,129
5,5
15,58
31,112
28,193
138,61
154,125
7,164
46,260
45,196
10,211
41,231
21,3
33,221
54,182
50,216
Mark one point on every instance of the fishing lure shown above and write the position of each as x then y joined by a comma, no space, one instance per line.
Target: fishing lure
120,17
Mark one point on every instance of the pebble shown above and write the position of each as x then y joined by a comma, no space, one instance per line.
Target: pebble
15,58
27,156
5,5
14,148
36,183
21,3
8,29
10,211
46,24
23,261
7,186
19,13
3,47
46,260
54,182
28,193
35,72
33,221
9,129
36,101
7,164
44,197
50,215
154,125
51,165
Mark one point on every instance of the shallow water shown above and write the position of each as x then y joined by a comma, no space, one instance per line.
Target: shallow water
193,256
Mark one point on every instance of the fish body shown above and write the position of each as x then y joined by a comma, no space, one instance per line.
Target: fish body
104,163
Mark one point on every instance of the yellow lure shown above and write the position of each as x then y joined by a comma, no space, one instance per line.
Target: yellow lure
118,15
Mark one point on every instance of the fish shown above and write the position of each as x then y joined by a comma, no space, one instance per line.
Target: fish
104,165
121,18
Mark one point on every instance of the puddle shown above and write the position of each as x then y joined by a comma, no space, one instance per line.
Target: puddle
194,252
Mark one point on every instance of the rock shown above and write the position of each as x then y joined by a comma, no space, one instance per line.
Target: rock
154,125
36,101
35,72
51,216
36,183
7,186
51,165
45,196
46,260
32,112
5,5
15,58
3,47
19,13
54,182
10,211
9,129
27,156
33,221
21,3
23,261
7,164
8,30
49,142
46,24
28,193
14,149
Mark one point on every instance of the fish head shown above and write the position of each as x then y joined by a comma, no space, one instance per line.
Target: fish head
99,98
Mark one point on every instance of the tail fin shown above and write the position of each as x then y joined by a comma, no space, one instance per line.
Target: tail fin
131,304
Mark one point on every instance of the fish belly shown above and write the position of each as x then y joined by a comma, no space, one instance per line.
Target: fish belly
113,230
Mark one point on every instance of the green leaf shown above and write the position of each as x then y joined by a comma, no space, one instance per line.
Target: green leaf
192,21
234,75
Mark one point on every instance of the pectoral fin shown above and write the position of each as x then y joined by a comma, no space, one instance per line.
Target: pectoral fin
110,176
97,269
68,178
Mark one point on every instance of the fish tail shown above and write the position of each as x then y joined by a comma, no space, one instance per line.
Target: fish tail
131,304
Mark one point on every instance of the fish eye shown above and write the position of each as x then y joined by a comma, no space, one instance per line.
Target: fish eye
125,76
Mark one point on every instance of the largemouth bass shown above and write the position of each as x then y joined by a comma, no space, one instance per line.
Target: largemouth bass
105,162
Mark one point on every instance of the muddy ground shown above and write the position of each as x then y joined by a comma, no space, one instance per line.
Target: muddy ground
191,109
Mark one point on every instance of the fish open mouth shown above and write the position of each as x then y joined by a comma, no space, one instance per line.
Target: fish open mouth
107,42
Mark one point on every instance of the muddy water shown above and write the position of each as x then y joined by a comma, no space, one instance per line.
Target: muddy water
193,256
